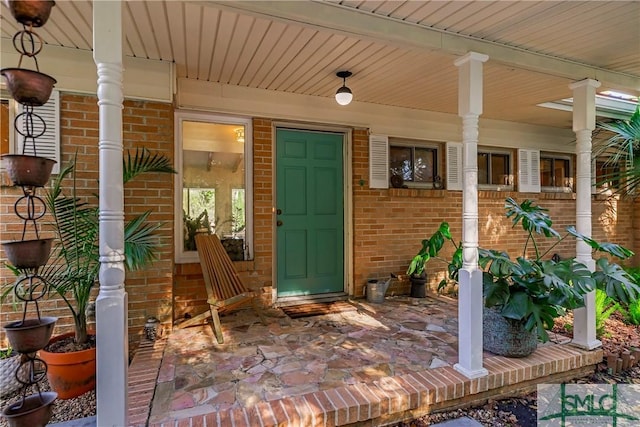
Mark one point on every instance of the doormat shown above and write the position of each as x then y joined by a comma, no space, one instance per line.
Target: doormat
317,309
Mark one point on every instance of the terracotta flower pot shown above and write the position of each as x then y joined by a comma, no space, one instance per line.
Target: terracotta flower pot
70,374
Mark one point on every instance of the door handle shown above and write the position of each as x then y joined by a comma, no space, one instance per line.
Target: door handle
279,211
279,223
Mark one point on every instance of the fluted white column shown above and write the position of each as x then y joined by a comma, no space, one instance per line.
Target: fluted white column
111,304
470,303
584,122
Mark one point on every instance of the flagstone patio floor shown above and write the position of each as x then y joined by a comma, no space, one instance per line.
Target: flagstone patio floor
333,369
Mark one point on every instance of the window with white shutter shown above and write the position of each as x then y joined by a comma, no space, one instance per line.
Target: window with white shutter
47,145
529,171
454,166
378,161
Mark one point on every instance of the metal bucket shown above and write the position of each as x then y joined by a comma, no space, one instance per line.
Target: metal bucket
375,291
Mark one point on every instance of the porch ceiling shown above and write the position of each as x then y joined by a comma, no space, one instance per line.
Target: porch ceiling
401,52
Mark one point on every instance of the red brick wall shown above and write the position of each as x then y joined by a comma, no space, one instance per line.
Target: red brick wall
390,224
145,124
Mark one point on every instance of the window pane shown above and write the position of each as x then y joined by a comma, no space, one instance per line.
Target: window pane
238,212
546,172
483,168
424,164
197,204
499,169
213,180
607,175
561,172
400,162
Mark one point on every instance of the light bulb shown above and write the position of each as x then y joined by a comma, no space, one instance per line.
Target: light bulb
344,96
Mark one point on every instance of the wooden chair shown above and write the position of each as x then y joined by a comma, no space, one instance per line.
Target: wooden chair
225,290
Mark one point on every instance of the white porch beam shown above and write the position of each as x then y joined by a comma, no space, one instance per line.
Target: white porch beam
336,18
111,304
584,122
470,305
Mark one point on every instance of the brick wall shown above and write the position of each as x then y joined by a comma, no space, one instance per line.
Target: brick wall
390,224
145,124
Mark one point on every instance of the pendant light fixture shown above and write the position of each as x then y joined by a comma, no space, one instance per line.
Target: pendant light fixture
344,95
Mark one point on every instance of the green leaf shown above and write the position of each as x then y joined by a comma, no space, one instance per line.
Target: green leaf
495,290
608,248
534,218
142,162
616,282
518,306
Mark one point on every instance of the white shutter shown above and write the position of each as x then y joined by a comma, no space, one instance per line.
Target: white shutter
454,166
378,161
529,171
47,145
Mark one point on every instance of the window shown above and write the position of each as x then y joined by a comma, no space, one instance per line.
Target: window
556,172
213,193
416,164
494,169
607,175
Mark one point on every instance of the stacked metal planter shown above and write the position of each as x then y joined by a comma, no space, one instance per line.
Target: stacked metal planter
30,172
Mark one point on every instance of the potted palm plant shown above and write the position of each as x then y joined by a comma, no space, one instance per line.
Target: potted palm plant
73,268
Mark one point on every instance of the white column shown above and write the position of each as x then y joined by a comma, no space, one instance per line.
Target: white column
470,303
111,304
584,122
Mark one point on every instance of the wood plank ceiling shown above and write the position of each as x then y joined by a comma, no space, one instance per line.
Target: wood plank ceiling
219,43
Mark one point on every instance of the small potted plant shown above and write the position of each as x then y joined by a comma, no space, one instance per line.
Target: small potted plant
430,249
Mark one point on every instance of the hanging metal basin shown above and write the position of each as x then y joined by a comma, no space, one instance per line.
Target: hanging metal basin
28,87
27,253
31,171
31,12
30,335
34,411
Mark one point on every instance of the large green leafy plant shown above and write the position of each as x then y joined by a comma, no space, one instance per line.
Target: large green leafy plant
535,288
73,268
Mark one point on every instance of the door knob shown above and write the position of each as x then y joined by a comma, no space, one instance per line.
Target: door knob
278,223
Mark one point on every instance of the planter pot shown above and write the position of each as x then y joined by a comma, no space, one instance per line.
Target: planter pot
506,337
34,12
26,170
8,381
34,411
418,286
28,87
30,335
28,253
70,374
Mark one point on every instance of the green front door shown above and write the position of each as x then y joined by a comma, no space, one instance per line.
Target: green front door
310,213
